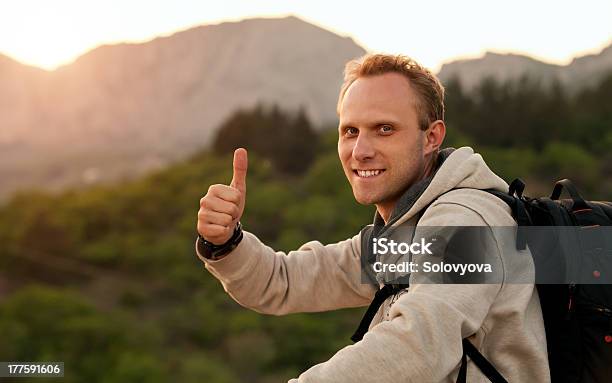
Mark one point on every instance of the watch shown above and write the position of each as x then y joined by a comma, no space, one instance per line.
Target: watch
214,252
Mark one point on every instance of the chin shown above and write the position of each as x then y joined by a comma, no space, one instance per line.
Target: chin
363,202
365,199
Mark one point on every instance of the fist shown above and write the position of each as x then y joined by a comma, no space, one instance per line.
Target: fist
221,208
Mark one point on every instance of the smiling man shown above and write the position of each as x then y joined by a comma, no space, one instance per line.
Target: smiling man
391,128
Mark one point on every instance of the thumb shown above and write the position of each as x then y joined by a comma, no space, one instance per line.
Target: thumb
241,163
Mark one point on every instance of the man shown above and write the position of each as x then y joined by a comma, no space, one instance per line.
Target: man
391,128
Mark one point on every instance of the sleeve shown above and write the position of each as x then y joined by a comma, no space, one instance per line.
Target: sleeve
313,278
421,341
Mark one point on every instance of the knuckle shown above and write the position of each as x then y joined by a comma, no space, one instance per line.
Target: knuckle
215,189
205,202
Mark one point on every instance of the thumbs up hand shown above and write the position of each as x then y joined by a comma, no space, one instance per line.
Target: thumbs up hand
221,208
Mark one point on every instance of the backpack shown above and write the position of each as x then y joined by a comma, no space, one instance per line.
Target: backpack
577,317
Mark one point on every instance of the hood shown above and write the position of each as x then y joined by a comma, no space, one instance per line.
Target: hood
457,168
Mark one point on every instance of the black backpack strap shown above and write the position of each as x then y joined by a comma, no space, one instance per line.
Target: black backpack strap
480,361
381,295
517,186
579,202
462,377
514,200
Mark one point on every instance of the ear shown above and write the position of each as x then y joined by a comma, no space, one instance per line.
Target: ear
434,136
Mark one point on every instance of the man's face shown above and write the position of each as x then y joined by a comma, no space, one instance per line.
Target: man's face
380,144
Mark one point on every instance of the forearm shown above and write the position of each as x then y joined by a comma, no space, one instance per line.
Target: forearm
313,278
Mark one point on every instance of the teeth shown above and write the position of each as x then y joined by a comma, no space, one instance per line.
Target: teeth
368,173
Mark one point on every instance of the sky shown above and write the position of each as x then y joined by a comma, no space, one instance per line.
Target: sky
49,34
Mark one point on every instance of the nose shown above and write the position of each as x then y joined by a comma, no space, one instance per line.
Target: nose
363,149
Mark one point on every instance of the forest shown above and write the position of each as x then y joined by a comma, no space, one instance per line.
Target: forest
106,280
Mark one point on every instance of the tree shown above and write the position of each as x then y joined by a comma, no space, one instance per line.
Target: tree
287,140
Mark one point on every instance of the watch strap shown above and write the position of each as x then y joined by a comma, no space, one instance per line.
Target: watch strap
214,252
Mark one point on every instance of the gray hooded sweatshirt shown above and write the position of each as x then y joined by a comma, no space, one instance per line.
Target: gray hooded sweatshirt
416,335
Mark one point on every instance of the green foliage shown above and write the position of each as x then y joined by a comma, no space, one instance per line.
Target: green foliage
523,113
43,324
288,141
512,162
201,367
571,161
136,367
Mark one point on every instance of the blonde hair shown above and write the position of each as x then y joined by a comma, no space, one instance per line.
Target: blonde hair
430,101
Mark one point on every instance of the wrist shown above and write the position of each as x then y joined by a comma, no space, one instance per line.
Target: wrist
215,252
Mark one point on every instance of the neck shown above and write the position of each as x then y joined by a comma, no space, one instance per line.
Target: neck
385,210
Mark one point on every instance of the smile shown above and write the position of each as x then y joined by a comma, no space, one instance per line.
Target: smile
368,173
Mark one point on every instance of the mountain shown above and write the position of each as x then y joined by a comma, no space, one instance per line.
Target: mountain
582,72
124,109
